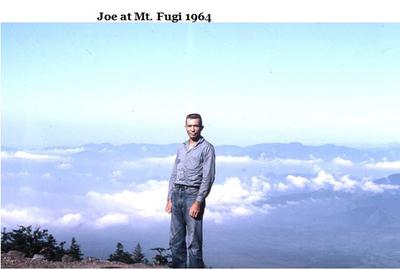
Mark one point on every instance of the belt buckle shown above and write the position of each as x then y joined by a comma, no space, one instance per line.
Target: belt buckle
180,186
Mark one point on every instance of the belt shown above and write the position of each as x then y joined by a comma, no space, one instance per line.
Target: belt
180,186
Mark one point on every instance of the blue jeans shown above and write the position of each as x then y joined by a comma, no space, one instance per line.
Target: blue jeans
186,235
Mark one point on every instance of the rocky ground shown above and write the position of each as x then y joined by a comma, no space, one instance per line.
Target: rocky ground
16,260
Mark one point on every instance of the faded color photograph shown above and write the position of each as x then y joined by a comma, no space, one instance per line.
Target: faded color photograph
303,118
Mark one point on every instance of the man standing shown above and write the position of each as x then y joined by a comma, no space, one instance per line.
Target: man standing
191,180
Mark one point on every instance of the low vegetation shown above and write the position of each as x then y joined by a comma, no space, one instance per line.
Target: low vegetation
37,241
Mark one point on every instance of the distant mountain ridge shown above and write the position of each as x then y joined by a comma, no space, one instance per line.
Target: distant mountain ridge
393,179
293,150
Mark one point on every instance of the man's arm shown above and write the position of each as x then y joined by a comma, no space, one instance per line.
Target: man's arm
207,181
168,207
208,173
173,177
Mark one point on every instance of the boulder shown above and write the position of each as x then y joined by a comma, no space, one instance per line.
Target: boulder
38,257
67,258
15,254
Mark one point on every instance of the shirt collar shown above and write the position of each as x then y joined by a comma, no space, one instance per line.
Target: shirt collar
201,139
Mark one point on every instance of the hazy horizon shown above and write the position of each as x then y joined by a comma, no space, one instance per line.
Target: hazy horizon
355,145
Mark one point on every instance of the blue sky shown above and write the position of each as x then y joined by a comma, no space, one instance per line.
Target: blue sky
70,84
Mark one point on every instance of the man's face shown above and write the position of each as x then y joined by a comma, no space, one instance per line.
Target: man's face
193,128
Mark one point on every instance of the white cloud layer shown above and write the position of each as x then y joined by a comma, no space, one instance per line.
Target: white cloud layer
169,160
384,165
281,187
111,220
12,215
147,201
293,162
297,181
29,156
342,162
63,152
70,219
265,161
224,160
234,198
144,201
371,186
159,160
328,181
64,166
233,159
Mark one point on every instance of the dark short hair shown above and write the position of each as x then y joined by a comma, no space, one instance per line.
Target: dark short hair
194,116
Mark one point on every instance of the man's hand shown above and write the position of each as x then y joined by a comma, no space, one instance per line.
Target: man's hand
168,208
195,210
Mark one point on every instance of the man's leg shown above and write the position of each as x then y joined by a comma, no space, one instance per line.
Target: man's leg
194,236
178,232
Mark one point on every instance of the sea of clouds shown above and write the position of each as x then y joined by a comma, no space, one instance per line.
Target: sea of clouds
96,187
65,187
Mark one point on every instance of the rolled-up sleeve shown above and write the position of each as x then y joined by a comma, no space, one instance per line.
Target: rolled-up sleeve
208,173
173,177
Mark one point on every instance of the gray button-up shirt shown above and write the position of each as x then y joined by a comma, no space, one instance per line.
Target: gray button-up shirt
194,167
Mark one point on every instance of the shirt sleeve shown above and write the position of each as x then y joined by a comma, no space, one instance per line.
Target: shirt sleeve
173,176
208,173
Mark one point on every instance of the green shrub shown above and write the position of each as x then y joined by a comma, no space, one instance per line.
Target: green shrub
37,241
